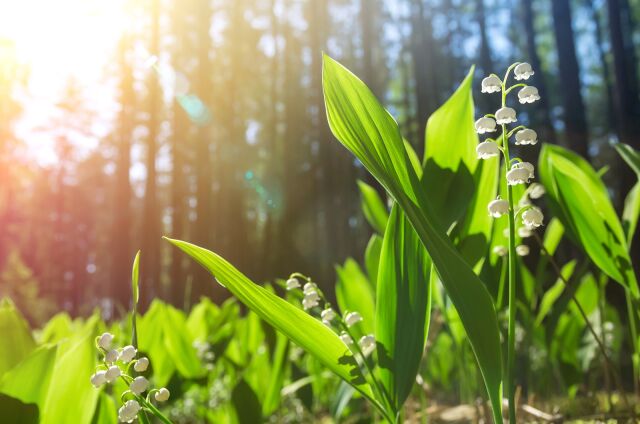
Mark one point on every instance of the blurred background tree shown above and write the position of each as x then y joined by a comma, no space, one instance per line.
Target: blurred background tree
215,130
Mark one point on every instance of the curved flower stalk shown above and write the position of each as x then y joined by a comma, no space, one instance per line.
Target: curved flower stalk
315,303
516,172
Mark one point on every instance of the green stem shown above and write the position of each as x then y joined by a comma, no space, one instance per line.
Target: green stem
511,336
155,411
634,342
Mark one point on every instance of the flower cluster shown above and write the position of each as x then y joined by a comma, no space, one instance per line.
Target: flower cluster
312,296
116,364
518,171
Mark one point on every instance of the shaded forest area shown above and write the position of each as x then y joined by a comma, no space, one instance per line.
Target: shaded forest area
220,103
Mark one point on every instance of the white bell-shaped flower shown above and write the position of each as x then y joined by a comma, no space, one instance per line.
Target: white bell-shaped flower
352,318
139,385
141,364
526,136
536,191
112,373
506,115
518,176
328,315
532,217
498,207
98,379
524,232
105,340
292,283
111,356
528,94
487,149
522,250
129,411
526,165
128,353
500,250
309,288
491,84
346,339
367,344
162,395
523,71
485,125
311,299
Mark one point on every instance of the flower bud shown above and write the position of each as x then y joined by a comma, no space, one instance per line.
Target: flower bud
346,339
526,136
112,373
309,288
367,344
485,125
292,283
536,191
523,71
128,353
500,250
491,84
352,318
105,340
129,411
310,301
498,207
98,379
524,232
506,115
522,250
528,94
328,315
487,149
162,395
139,385
141,364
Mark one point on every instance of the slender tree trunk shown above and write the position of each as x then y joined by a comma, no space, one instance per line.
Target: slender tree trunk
122,256
151,232
547,131
575,120
485,51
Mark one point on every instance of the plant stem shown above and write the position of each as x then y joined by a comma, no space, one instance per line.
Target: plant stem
634,342
511,336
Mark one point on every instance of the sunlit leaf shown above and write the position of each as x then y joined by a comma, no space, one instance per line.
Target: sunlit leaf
402,307
373,207
364,127
14,328
355,292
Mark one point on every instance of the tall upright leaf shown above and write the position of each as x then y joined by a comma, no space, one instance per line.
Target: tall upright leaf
364,127
403,303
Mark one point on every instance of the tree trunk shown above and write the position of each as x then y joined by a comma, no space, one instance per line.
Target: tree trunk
576,132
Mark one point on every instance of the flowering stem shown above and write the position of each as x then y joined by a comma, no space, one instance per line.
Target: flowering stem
155,411
511,336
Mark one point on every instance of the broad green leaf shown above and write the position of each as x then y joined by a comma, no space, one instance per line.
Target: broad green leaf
151,341
354,292
277,374
29,380
402,308
450,158
179,344
71,398
364,127
373,207
304,330
17,411
583,205
15,329
106,411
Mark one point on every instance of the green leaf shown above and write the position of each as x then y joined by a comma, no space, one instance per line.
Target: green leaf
304,330
372,257
29,380
354,292
373,207
403,307
630,155
631,213
17,411
13,327
551,295
361,124
135,291
246,403
582,203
